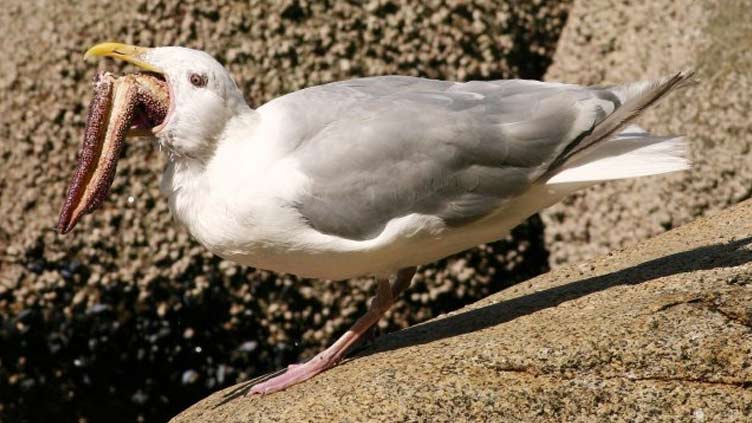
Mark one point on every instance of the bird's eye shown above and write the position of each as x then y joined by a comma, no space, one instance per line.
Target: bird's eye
198,80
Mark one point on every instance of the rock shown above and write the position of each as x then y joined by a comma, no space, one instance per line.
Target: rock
616,41
661,331
128,277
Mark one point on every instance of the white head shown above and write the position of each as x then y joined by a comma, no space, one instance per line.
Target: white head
203,95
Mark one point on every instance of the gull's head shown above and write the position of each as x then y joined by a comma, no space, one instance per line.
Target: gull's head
203,95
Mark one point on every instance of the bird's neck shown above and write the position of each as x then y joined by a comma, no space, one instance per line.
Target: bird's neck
187,180
195,136
185,169
243,122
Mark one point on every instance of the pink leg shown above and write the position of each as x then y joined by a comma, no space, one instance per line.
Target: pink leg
296,373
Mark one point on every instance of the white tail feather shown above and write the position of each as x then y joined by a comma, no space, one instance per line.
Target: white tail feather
630,154
614,149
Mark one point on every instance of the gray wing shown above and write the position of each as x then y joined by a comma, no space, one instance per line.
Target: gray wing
379,148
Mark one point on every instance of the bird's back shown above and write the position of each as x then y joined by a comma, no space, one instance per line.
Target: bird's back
390,161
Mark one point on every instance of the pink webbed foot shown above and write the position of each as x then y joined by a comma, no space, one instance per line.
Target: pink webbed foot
294,374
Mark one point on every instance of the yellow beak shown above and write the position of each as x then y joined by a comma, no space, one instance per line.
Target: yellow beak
131,54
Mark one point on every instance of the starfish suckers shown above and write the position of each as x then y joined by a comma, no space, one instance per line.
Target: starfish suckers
121,105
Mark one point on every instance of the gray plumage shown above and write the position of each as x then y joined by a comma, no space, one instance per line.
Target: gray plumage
383,147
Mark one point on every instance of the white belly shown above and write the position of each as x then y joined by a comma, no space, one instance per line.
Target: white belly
408,241
254,225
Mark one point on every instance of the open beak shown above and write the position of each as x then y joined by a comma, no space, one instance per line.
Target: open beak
131,54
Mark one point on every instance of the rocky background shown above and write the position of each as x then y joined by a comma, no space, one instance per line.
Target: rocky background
127,318
611,41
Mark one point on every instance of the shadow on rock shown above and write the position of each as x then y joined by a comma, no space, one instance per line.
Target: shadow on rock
704,258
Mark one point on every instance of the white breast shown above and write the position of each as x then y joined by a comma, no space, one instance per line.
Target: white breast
255,223
242,206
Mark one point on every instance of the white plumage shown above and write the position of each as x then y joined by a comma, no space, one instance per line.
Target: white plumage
377,175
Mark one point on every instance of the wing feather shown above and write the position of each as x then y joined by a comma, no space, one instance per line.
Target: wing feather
375,149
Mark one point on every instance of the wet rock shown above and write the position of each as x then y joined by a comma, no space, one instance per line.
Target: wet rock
189,377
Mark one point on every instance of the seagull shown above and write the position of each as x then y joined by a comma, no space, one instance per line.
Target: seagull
376,176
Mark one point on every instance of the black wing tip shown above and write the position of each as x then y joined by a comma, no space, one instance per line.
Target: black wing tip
685,78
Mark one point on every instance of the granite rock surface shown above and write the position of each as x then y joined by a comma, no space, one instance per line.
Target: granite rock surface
661,331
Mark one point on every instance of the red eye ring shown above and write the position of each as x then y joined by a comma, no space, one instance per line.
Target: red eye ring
198,80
